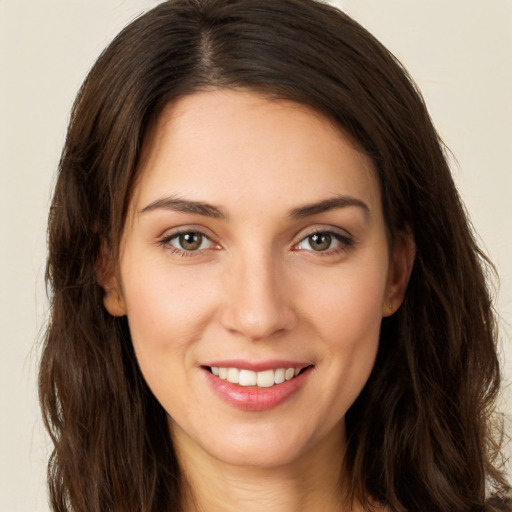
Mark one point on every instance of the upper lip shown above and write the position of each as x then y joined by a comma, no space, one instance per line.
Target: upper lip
257,366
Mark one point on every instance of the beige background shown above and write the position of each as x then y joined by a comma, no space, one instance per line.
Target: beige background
459,51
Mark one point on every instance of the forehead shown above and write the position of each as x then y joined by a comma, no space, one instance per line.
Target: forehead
226,147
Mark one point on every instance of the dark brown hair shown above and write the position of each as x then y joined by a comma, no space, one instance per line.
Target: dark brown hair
420,435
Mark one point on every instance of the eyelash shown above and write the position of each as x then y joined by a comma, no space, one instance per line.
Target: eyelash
166,242
344,242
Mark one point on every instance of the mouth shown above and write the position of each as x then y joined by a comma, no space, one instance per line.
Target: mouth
257,386
260,379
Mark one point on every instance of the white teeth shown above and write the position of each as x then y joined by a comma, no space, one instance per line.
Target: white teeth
279,376
247,378
233,375
264,379
289,373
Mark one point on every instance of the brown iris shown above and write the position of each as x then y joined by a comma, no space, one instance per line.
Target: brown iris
190,241
320,241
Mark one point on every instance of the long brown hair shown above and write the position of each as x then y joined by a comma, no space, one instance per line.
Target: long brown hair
420,435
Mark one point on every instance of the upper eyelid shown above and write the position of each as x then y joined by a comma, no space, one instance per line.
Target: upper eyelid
176,234
304,233
176,231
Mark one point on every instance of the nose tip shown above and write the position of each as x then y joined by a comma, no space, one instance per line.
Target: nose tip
255,322
257,304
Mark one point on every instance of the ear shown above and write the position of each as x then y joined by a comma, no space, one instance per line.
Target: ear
402,260
113,299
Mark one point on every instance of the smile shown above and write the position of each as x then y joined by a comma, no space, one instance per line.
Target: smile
257,389
262,379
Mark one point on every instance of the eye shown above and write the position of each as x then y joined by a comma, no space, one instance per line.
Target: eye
188,241
324,241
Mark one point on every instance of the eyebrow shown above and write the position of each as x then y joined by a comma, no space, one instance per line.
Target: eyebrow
328,204
209,210
185,206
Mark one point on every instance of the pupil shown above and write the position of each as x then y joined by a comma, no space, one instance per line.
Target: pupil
190,241
320,242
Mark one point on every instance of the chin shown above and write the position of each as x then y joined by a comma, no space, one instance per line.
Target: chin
265,446
260,453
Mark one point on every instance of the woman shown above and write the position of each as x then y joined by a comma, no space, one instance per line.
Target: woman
265,291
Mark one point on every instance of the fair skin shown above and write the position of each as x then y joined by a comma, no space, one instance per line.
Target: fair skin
256,241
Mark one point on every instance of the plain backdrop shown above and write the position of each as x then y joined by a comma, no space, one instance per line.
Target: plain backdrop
459,51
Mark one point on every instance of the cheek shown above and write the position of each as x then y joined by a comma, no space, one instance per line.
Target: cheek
346,315
166,307
348,302
167,313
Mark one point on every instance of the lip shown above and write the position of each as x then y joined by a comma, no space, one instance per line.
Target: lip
253,398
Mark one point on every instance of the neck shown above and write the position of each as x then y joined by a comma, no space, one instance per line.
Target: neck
313,482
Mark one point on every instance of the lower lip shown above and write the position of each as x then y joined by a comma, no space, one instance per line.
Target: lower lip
253,398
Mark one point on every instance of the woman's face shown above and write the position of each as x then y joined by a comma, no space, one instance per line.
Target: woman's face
255,250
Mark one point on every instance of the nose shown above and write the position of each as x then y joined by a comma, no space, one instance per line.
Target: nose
258,304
